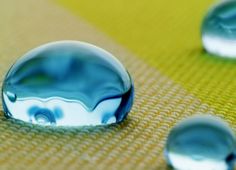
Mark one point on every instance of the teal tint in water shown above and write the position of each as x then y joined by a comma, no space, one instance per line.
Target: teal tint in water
68,83
219,29
201,143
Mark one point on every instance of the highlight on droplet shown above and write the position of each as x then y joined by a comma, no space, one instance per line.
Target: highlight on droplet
68,83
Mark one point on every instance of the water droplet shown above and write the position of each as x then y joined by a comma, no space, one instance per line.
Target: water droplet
68,83
201,142
219,29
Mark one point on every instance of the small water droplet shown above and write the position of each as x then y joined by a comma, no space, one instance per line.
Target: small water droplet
219,29
201,142
68,83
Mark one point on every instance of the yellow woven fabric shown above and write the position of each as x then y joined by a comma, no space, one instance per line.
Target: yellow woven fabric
159,45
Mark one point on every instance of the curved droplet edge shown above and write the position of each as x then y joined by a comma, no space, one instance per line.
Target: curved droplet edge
202,34
120,113
28,57
127,100
129,93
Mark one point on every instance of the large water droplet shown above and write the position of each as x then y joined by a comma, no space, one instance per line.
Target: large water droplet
68,83
201,143
219,29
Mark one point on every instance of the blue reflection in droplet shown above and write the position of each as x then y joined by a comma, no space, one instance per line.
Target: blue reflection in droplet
219,29
68,83
201,143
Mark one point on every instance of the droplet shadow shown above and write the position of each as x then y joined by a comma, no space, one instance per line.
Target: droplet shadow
21,127
204,55
164,167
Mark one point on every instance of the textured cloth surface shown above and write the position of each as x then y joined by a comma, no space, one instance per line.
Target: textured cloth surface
160,47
